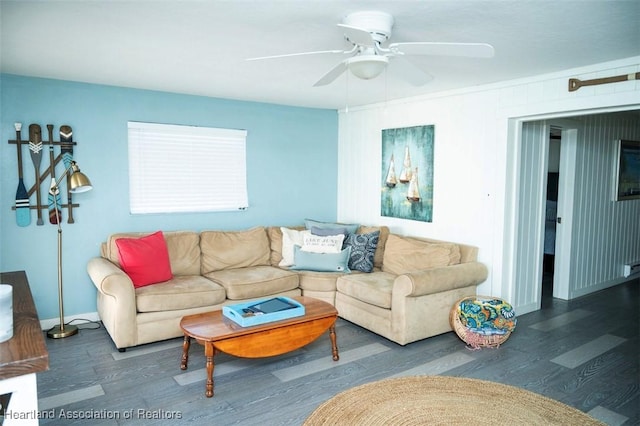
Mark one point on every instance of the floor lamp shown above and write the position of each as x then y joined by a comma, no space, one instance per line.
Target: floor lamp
78,182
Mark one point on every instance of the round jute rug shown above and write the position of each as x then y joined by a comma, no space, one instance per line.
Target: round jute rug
443,400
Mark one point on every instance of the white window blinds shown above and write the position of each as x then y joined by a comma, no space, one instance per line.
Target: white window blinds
174,169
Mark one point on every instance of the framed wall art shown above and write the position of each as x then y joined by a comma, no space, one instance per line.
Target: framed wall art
627,176
407,173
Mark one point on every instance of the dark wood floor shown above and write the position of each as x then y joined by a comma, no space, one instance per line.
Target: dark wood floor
584,353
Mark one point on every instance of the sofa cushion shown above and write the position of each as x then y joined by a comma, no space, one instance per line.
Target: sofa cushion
275,241
405,254
350,227
234,249
322,262
182,292
374,289
257,281
318,281
184,252
290,238
145,260
363,250
382,241
183,247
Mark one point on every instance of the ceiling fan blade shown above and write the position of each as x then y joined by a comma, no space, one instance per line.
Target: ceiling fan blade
406,70
334,73
357,35
474,50
320,52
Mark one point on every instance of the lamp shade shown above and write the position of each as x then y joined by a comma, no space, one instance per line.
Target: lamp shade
368,66
79,182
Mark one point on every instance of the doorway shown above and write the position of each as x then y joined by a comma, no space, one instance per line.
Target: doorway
541,231
584,208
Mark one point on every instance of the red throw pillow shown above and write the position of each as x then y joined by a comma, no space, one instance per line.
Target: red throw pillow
145,259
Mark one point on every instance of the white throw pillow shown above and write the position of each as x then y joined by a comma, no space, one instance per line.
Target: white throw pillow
322,244
291,237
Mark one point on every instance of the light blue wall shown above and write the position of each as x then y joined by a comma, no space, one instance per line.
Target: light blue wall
291,162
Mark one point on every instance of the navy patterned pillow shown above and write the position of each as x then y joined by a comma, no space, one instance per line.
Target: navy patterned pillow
363,249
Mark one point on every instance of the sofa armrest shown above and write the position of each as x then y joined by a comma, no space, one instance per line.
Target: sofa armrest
109,279
441,279
116,300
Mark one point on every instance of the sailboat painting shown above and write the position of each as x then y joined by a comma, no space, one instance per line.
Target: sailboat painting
407,187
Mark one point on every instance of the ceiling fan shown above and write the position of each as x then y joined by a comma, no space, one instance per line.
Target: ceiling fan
370,54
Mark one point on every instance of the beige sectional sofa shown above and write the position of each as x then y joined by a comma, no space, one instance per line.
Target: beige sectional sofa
407,296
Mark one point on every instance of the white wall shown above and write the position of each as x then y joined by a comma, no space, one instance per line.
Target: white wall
476,131
606,233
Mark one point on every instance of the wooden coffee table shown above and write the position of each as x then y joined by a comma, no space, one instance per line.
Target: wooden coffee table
218,333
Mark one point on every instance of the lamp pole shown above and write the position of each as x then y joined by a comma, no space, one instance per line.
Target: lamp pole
79,183
60,331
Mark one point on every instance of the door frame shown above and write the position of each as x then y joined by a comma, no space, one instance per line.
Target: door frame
530,299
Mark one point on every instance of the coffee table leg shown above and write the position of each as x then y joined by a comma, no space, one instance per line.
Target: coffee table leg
334,344
186,343
209,352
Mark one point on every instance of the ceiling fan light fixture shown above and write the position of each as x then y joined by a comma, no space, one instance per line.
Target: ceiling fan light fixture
368,67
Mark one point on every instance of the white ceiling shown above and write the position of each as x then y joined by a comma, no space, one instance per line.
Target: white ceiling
200,47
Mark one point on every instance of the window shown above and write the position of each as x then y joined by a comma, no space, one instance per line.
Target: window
176,169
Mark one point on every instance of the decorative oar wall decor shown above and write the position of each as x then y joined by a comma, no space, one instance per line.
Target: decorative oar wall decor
66,138
575,84
54,191
35,146
60,151
22,207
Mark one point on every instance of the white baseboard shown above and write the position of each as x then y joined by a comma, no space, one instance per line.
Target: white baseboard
46,324
597,287
632,268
